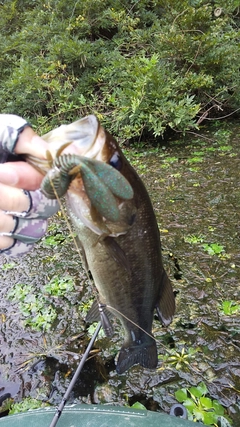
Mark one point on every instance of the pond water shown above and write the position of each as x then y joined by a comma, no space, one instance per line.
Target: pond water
194,186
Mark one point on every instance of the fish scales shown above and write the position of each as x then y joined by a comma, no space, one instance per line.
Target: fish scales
127,269
123,255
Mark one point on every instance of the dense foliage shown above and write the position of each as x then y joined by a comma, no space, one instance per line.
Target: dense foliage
140,65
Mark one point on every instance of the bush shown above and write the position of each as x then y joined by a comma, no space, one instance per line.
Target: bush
139,65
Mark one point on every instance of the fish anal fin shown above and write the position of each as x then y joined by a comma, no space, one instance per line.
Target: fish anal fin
144,354
98,312
106,324
93,315
166,305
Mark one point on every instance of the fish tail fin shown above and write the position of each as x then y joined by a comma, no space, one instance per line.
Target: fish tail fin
145,354
166,306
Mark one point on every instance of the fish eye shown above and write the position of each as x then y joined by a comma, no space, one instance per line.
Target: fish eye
116,161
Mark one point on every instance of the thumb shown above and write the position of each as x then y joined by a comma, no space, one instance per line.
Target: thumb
30,143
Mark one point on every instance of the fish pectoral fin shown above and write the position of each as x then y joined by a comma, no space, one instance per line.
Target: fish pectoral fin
145,354
98,312
117,253
93,315
166,306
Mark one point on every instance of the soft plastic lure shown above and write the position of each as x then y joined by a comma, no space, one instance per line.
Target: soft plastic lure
103,183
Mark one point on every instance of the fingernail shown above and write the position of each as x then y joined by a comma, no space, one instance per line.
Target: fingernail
8,175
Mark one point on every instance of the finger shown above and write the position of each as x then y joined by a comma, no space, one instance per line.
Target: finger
21,175
30,143
5,242
13,199
7,224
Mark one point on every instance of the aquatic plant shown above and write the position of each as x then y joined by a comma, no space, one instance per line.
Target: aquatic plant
195,159
138,405
210,248
25,405
54,240
37,312
59,286
178,359
56,236
8,266
34,305
213,248
229,307
91,329
200,407
194,239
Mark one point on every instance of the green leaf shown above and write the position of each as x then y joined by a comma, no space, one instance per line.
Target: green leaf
138,405
195,391
206,402
190,404
209,418
198,413
203,388
219,409
181,395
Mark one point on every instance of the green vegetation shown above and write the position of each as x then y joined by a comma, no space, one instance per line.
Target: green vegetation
25,405
37,313
36,306
56,236
59,286
200,407
228,308
210,248
91,329
138,405
194,239
213,248
140,66
8,266
178,359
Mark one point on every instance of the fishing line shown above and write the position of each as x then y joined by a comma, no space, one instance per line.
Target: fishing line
88,277
131,321
69,227
78,371
74,378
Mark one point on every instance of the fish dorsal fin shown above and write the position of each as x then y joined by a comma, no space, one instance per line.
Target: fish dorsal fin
98,312
166,305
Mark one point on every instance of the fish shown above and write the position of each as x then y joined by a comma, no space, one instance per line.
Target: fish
124,255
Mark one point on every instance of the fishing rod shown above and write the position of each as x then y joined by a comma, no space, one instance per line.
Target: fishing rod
75,377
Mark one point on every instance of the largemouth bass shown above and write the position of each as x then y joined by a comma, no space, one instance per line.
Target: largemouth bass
123,256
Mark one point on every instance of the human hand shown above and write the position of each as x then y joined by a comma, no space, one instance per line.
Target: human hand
23,213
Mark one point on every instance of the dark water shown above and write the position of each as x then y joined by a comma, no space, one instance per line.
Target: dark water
194,185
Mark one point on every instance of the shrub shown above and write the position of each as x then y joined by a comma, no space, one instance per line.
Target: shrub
140,66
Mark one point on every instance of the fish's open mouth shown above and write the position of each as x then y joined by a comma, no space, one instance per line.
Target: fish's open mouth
84,134
81,133
86,137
